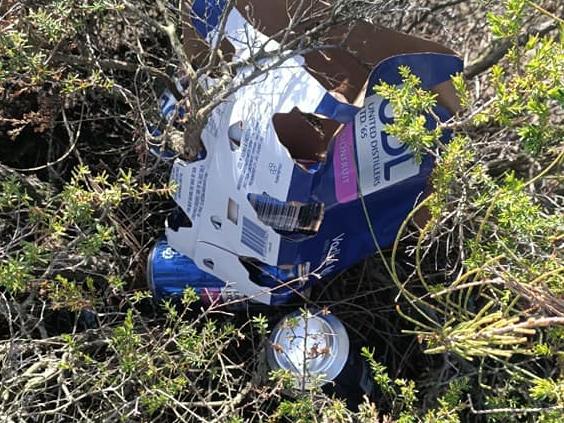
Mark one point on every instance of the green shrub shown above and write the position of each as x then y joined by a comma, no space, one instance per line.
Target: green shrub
463,319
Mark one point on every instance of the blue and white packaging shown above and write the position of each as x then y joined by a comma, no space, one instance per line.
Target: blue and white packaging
247,198
169,273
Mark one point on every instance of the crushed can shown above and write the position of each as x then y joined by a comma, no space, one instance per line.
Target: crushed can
315,347
169,273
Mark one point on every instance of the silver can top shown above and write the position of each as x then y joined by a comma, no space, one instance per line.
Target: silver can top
311,345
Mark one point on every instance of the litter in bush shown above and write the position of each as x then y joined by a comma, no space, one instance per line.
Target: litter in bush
315,348
265,193
169,273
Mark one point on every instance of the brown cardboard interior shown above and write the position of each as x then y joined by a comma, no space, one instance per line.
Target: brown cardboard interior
343,69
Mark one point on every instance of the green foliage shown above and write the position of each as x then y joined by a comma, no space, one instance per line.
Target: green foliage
21,57
30,37
336,411
548,389
260,323
462,91
554,416
68,294
49,22
189,296
517,223
79,213
127,343
300,411
160,394
404,396
379,372
486,335
453,396
480,284
515,210
13,195
283,377
198,346
75,83
450,165
527,91
511,22
502,229
14,275
116,282
410,103
94,243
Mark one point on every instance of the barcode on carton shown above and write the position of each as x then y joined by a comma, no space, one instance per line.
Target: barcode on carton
254,237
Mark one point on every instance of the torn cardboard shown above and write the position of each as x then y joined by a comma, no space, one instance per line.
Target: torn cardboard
293,159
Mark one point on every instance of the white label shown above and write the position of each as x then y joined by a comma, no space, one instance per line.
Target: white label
190,192
333,253
383,159
251,145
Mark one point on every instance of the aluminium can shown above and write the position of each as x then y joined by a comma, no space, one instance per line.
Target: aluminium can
315,347
169,273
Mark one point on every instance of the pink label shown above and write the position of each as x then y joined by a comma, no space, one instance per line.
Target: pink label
345,166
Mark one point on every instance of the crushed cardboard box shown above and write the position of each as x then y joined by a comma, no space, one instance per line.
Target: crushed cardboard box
293,159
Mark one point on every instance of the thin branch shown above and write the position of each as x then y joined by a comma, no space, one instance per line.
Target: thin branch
511,410
118,65
500,48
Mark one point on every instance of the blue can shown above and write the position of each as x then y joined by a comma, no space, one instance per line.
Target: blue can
169,273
